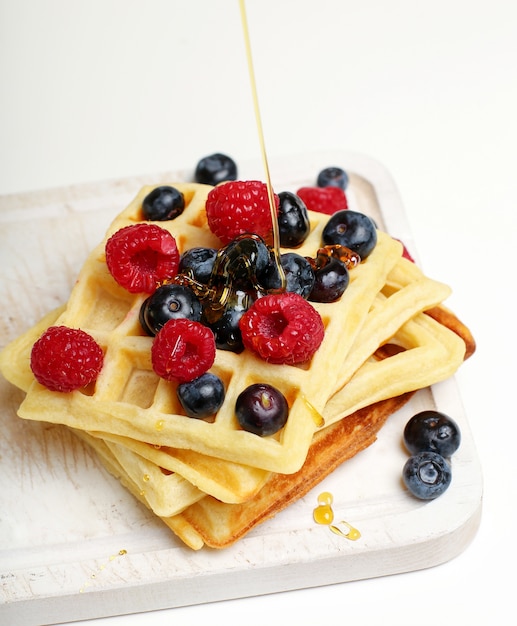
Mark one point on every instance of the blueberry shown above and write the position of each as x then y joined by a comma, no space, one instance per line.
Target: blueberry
333,177
293,220
433,431
214,169
227,332
166,303
163,203
199,262
298,273
330,282
261,409
353,230
427,475
226,328
243,259
203,396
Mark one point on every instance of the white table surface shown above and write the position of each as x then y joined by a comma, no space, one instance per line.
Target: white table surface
103,89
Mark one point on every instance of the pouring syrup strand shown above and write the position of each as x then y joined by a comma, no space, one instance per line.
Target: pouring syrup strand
271,197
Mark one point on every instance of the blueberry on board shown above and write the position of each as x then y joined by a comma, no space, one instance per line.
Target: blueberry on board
163,203
433,431
353,230
202,397
333,177
214,169
427,475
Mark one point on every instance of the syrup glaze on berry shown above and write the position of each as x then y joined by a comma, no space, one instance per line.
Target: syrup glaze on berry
261,409
330,282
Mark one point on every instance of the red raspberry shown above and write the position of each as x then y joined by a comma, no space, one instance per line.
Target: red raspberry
282,328
323,199
238,207
141,256
405,251
65,359
183,350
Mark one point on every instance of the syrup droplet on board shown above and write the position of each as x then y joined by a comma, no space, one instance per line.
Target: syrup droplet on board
101,568
326,498
324,515
349,531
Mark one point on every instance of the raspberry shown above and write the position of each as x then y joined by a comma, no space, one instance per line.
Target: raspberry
239,207
405,252
65,359
183,350
326,200
282,328
141,256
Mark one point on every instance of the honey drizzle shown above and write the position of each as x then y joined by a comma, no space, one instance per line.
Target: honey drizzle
260,130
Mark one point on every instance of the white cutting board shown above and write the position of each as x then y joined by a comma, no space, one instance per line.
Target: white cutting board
75,545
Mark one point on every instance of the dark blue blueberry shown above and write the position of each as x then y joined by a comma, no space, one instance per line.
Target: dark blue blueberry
330,282
353,230
427,475
433,431
163,203
261,409
333,177
166,303
293,220
202,397
240,262
298,273
214,169
226,328
199,262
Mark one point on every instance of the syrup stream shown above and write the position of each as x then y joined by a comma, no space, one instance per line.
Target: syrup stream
272,208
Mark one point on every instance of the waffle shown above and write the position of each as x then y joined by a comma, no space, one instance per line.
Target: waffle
129,400
430,353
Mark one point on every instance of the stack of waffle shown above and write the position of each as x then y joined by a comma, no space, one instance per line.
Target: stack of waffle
210,481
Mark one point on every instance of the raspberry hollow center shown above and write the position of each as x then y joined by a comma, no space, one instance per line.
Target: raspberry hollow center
145,260
273,325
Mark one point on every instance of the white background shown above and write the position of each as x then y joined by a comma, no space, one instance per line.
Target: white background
109,88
